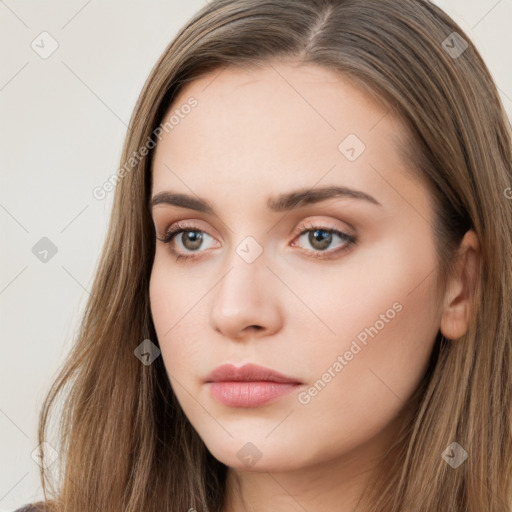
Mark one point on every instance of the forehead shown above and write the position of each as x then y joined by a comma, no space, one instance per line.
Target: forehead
268,127
276,103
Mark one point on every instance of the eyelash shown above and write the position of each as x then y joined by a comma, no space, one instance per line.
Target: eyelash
304,228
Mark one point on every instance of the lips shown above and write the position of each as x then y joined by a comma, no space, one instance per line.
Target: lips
248,373
248,386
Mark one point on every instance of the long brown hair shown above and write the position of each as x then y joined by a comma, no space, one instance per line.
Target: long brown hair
124,443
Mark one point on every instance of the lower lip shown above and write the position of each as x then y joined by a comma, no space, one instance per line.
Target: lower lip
249,394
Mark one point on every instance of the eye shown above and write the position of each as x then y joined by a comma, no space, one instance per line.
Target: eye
191,241
319,237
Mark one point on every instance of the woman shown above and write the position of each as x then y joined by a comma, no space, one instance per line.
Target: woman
303,301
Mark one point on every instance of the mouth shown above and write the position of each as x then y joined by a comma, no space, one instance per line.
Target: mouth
249,386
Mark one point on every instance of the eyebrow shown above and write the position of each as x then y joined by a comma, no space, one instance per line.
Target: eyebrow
282,203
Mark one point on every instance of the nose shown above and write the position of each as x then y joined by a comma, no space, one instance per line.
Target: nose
246,301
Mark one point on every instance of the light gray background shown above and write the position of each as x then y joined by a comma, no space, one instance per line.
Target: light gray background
63,120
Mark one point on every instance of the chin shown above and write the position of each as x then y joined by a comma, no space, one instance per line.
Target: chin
257,456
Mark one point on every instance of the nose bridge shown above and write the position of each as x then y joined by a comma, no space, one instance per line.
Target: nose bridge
242,297
241,285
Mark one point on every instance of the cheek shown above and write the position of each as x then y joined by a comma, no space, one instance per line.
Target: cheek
385,322
175,309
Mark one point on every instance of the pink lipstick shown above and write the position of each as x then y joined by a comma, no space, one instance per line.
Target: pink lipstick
248,386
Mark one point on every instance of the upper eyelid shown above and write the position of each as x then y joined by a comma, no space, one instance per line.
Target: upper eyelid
304,225
325,208
317,219
191,225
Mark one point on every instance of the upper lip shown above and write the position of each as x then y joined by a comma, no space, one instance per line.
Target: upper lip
247,373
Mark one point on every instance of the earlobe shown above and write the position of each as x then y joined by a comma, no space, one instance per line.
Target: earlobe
461,289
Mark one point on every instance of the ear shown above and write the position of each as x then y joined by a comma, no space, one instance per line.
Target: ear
461,288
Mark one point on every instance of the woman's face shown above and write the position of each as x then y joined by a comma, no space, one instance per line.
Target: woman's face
349,315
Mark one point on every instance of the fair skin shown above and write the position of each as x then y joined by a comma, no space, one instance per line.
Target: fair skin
259,134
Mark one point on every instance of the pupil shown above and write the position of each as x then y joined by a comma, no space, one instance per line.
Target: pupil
194,238
320,238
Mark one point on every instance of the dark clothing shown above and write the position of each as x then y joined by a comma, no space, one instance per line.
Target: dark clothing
30,508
